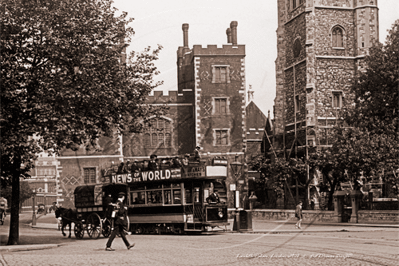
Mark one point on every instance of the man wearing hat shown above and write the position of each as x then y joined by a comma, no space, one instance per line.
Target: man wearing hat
185,159
119,223
152,165
135,167
197,156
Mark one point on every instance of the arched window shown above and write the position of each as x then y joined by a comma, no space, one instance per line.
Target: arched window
168,140
297,48
337,37
154,140
158,133
147,140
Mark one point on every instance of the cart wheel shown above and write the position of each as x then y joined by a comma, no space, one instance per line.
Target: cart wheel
79,230
106,228
94,225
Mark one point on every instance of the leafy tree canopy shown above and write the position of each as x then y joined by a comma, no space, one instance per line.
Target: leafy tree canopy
374,144
65,79
376,88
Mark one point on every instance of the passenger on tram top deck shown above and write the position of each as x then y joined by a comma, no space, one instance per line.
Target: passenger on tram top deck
152,165
135,168
197,156
122,168
176,163
128,165
185,159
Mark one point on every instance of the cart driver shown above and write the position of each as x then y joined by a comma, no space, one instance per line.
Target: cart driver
108,206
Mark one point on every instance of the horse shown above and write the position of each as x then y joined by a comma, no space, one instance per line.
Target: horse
68,216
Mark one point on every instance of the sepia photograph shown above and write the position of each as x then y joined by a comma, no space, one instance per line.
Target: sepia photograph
199,132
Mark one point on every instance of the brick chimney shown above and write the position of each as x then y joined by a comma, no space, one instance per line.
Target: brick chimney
185,35
233,27
228,32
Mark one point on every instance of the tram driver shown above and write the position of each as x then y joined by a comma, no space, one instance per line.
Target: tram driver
213,198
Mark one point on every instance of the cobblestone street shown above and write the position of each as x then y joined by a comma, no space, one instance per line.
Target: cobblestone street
354,246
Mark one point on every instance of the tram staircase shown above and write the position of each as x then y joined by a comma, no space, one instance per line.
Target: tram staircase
198,217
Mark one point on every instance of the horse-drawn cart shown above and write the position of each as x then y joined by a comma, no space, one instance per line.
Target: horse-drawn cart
92,210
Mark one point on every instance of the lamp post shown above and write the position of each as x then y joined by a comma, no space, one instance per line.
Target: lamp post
34,207
236,170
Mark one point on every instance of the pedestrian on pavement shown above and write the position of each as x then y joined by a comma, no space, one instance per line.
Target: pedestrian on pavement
298,214
119,223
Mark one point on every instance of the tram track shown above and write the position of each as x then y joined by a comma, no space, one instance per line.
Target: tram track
355,255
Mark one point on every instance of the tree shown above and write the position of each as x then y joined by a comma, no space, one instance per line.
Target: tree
280,173
65,82
374,114
25,192
368,140
376,88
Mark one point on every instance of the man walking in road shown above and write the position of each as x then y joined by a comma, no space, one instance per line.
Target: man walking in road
298,214
119,223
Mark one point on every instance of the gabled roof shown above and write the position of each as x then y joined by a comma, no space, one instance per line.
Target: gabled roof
255,122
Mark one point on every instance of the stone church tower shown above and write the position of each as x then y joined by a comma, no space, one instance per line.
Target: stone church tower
321,45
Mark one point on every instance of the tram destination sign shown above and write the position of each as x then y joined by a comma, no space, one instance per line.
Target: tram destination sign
158,175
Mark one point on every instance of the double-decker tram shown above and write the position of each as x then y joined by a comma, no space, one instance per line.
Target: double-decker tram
175,199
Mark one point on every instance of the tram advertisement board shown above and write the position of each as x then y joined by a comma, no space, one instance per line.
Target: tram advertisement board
158,175
146,176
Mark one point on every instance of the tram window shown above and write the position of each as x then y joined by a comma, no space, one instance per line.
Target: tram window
149,197
157,196
137,197
167,197
196,194
176,185
154,197
189,197
176,196
206,194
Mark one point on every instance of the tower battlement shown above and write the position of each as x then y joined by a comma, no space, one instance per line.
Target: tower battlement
213,50
172,97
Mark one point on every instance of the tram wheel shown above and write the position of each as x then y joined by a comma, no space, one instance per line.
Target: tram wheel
94,225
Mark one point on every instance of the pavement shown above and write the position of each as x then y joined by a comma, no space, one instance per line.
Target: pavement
49,222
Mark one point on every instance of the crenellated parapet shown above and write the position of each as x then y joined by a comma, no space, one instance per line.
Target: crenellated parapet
173,97
213,50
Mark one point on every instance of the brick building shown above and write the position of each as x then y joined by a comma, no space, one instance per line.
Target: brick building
321,45
207,110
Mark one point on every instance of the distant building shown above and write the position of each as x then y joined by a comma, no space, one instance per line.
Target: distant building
44,181
255,128
207,110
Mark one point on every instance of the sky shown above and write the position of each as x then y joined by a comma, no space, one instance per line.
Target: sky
160,22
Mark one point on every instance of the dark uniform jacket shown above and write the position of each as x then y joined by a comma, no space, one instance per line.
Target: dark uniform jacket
121,214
